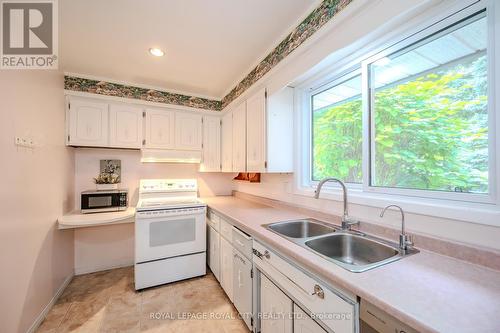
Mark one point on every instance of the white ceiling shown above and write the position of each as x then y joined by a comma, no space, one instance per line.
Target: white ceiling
209,44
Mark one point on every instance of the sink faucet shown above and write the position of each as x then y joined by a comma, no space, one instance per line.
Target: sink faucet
405,241
346,220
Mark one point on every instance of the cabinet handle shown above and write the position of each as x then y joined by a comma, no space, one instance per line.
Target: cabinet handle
267,255
318,291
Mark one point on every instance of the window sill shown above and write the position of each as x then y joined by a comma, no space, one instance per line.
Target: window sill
486,214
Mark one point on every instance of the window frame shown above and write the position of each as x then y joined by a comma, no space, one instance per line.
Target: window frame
474,207
369,125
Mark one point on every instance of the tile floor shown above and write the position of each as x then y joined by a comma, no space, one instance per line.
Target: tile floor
107,302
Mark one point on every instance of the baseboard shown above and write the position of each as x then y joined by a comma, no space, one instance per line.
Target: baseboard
93,269
49,306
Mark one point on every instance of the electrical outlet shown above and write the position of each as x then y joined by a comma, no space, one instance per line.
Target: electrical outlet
24,142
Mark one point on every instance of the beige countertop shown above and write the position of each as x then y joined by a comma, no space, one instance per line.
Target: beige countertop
78,220
427,291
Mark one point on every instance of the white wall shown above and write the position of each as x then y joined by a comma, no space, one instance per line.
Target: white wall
37,187
100,247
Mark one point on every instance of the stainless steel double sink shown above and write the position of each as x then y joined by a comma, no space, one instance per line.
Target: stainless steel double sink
352,250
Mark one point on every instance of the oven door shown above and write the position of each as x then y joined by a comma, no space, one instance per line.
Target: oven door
169,236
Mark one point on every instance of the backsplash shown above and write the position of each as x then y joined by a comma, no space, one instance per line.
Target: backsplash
312,23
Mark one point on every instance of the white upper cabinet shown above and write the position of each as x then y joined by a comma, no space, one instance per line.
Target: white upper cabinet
88,123
270,131
160,129
279,131
256,132
125,126
188,128
239,138
257,135
94,123
227,142
211,144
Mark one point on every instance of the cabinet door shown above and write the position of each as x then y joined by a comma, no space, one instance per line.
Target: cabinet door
160,129
227,142
302,323
88,123
226,267
239,138
275,307
211,144
242,286
256,132
125,126
188,131
213,255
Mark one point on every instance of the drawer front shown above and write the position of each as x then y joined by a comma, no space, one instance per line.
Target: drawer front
213,220
226,230
242,242
337,313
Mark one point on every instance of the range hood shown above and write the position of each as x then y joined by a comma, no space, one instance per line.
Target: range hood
170,156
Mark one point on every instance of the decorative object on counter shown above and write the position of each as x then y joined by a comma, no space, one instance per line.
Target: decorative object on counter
322,14
109,176
251,177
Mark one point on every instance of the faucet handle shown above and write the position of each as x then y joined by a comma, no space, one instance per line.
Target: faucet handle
349,220
405,241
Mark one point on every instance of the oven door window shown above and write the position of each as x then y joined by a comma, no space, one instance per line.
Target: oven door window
170,232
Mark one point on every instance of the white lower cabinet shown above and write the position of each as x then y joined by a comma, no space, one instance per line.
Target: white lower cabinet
213,255
275,308
242,286
337,310
302,323
226,267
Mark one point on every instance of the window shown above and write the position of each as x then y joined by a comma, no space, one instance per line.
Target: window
430,112
416,118
337,131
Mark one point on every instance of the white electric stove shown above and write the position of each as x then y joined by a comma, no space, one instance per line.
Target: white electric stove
170,234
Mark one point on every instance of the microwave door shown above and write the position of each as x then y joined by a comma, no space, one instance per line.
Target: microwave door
100,201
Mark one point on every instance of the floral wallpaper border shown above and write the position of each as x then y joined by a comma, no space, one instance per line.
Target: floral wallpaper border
120,90
312,23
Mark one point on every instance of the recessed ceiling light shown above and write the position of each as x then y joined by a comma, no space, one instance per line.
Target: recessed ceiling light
156,52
